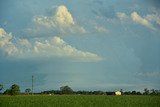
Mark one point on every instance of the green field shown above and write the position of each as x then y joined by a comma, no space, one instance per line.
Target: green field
79,101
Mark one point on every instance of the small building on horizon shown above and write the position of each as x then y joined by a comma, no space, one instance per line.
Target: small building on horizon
118,93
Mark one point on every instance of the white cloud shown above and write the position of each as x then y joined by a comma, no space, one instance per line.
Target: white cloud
10,49
101,29
140,20
24,42
153,18
135,17
56,47
62,21
98,28
63,16
4,38
23,46
122,16
5,42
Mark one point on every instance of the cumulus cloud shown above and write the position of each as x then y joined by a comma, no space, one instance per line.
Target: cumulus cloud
5,42
153,18
24,46
56,47
101,29
140,20
122,16
62,21
135,17
98,28
4,37
63,16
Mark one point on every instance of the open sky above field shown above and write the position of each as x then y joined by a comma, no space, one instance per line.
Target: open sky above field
86,44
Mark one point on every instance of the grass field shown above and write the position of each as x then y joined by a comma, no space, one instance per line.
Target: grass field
79,101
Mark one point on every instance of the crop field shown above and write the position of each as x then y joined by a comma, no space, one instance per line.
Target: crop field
79,101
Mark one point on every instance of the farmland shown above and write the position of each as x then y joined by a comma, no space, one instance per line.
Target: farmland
79,101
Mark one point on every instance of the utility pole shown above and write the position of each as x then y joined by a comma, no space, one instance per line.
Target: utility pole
32,84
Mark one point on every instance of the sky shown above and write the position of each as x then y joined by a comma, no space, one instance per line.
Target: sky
103,45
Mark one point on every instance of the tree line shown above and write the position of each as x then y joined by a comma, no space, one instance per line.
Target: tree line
68,91
15,90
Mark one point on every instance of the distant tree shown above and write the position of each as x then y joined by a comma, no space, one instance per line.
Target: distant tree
51,92
98,93
133,92
139,93
66,90
153,92
1,87
146,91
127,93
7,92
110,93
27,91
121,90
57,92
14,89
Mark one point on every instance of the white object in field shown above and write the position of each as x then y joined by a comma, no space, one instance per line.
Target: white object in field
50,94
118,93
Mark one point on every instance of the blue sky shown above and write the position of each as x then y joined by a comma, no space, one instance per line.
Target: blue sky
89,45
